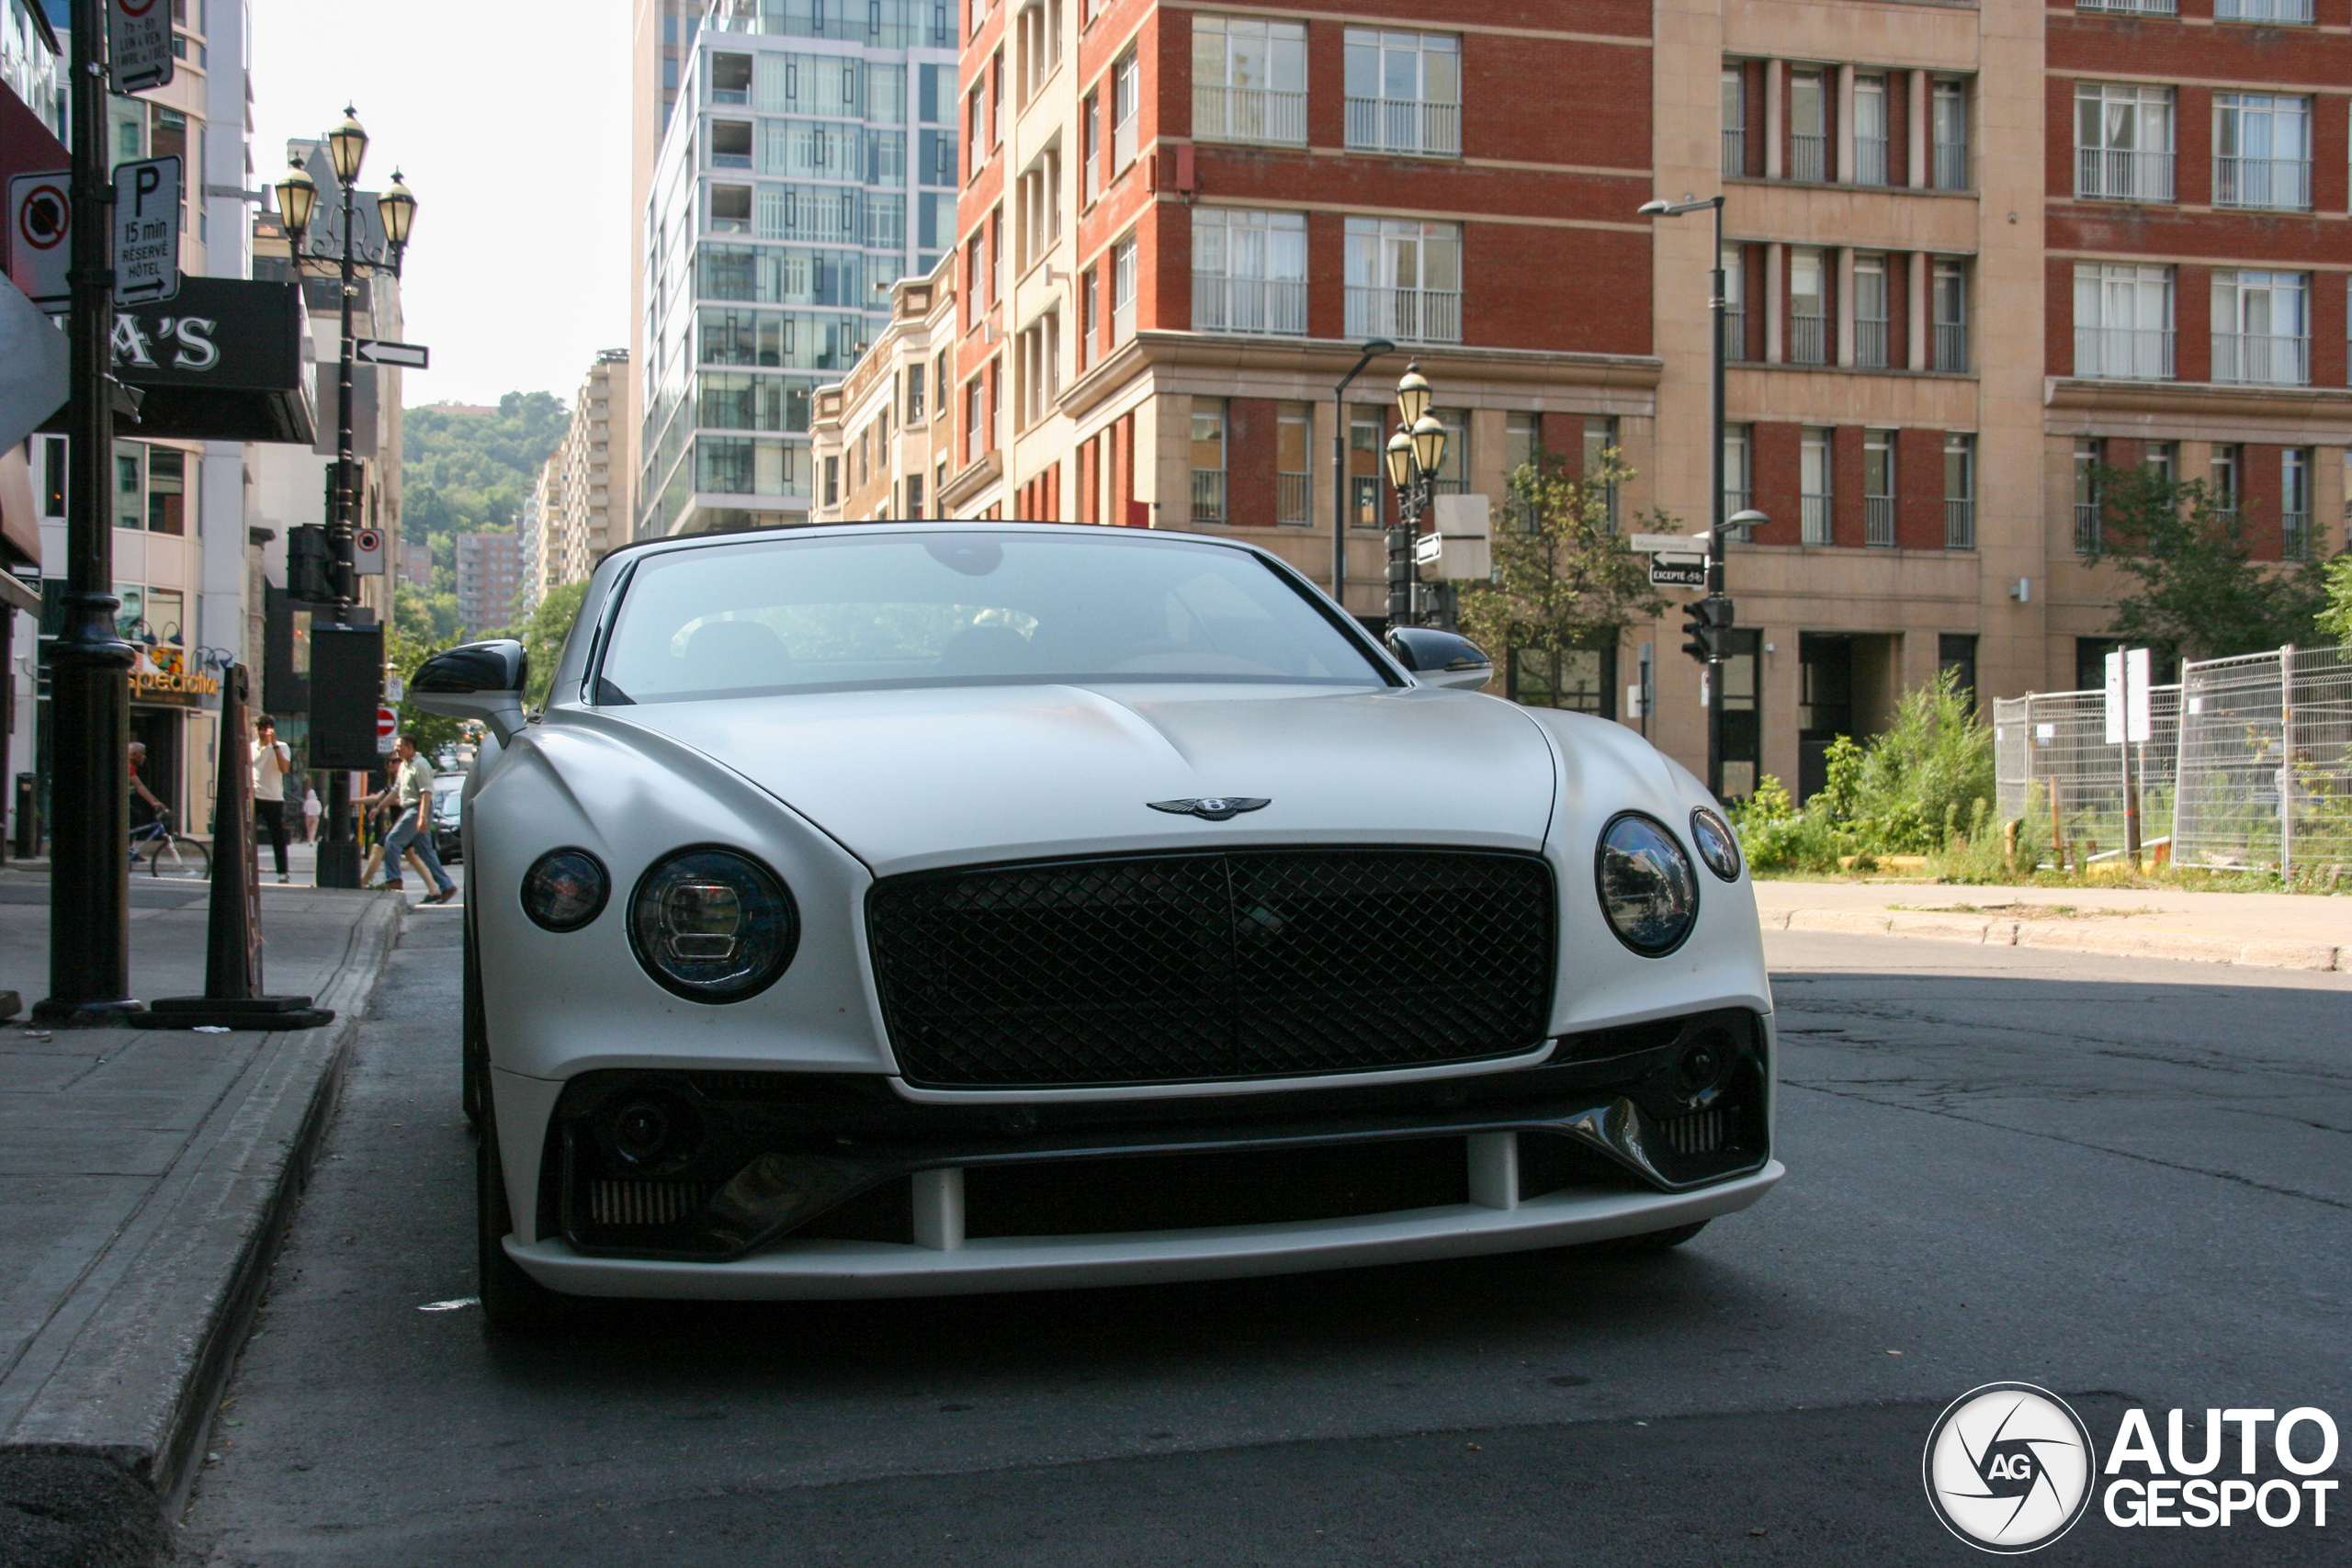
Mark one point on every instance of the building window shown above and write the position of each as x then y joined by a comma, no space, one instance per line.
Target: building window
1735,285
2261,328
1127,100
731,209
914,495
2123,322
1960,491
730,78
731,143
1404,280
1734,121
1948,136
1089,132
2161,459
976,414
2295,503
1576,680
1878,489
2262,10
1808,306
2225,487
1870,311
2143,8
1869,130
1599,445
1808,125
1248,80
2123,142
1249,271
914,393
1948,301
2088,459
1523,444
2262,151
977,110
1208,461
1404,93
1738,487
1123,290
1956,657
1366,438
1089,317
1293,453
1813,484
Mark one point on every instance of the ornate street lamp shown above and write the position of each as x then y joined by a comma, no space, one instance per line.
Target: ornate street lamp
1415,455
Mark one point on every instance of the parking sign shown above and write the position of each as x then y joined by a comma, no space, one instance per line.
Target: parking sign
146,230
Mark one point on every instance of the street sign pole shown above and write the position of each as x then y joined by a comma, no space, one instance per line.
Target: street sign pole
89,893
1717,304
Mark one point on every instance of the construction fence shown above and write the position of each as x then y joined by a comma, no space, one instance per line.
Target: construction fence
2248,765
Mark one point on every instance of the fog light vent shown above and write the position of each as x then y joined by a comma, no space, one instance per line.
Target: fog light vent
645,1202
1700,1133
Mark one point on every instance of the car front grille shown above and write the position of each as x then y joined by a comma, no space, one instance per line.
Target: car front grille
1246,964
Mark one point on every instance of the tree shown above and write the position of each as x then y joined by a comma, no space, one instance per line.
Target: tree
544,634
1563,579
406,651
2197,591
2335,621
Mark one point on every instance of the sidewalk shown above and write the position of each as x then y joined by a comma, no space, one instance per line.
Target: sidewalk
2282,930
145,1177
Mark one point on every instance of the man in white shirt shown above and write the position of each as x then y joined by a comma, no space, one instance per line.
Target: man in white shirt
412,786
272,761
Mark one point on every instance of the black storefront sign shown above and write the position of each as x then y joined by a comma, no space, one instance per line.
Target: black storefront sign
225,360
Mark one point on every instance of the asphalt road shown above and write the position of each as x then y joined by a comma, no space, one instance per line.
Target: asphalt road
2123,1180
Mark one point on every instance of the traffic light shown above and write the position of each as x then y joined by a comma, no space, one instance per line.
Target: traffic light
1706,627
308,564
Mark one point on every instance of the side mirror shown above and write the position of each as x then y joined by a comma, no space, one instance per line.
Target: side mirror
481,681
1441,658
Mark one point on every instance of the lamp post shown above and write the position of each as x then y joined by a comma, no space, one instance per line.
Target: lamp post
1415,453
1371,351
297,197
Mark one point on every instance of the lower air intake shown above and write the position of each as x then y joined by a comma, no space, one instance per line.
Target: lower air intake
643,1202
1700,1133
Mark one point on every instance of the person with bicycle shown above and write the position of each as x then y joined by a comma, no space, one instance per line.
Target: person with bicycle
138,788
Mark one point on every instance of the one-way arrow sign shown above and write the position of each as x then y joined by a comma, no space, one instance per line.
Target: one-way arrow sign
407,355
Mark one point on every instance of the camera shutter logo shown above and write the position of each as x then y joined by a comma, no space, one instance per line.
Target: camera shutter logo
2009,1468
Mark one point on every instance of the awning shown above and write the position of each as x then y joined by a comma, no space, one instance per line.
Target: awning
224,361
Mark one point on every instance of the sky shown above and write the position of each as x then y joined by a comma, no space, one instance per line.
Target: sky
510,121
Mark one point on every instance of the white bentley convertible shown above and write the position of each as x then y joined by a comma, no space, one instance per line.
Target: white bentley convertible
923,908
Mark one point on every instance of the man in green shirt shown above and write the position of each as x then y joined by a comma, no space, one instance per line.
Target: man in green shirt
413,788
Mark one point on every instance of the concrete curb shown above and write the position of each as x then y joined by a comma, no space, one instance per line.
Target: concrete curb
159,1319
2094,937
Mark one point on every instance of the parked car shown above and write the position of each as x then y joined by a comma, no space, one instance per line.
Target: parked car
939,908
449,793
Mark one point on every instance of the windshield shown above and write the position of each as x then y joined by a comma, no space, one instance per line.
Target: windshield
921,608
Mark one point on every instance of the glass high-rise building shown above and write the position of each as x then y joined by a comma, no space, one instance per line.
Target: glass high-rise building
809,161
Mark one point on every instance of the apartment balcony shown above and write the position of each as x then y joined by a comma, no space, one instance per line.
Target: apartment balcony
1734,333
2295,531
2262,10
1869,345
1815,519
2109,173
2123,353
1390,125
1870,160
2137,7
1809,339
2086,530
1249,114
1950,347
1809,156
1405,315
2261,359
1223,304
1292,497
1208,495
1878,522
1951,166
1960,523
2279,183
1734,150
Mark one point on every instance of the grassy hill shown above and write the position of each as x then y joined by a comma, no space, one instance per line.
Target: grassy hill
464,469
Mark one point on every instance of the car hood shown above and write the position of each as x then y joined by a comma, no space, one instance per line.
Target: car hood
914,778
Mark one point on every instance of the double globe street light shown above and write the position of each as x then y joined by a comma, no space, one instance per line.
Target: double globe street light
1415,453
298,201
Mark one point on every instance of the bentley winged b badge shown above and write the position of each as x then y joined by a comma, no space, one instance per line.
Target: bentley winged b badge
1214,808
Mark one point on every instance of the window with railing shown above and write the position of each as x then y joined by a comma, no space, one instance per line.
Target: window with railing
1293,453
1734,121
1738,486
1367,439
1734,263
2140,7
1960,491
1869,130
2262,151
1126,98
1249,271
1878,489
1948,136
1248,80
1123,290
1948,300
2289,11
1808,125
2223,486
1870,311
2295,503
2261,328
1808,306
2123,322
2123,142
2088,456
1404,280
1600,444
1404,93
1208,461
1813,486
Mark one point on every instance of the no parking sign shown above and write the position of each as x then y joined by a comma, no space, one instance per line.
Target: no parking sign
40,222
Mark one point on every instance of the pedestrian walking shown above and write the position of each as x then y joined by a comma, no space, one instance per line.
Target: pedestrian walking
272,760
311,812
412,787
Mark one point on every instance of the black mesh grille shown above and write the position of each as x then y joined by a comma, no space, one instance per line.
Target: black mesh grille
1249,963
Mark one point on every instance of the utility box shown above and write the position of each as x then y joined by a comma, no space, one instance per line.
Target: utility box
1464,549
346,688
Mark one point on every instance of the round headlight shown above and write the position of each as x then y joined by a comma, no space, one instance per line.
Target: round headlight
565,889
713,925
1648,888
1718,846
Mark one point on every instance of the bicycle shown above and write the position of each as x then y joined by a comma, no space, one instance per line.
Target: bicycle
174,856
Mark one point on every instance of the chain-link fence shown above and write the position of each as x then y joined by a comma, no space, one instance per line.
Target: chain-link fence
2067,785
2266,761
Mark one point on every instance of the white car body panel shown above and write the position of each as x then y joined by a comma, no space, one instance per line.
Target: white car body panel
835,789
